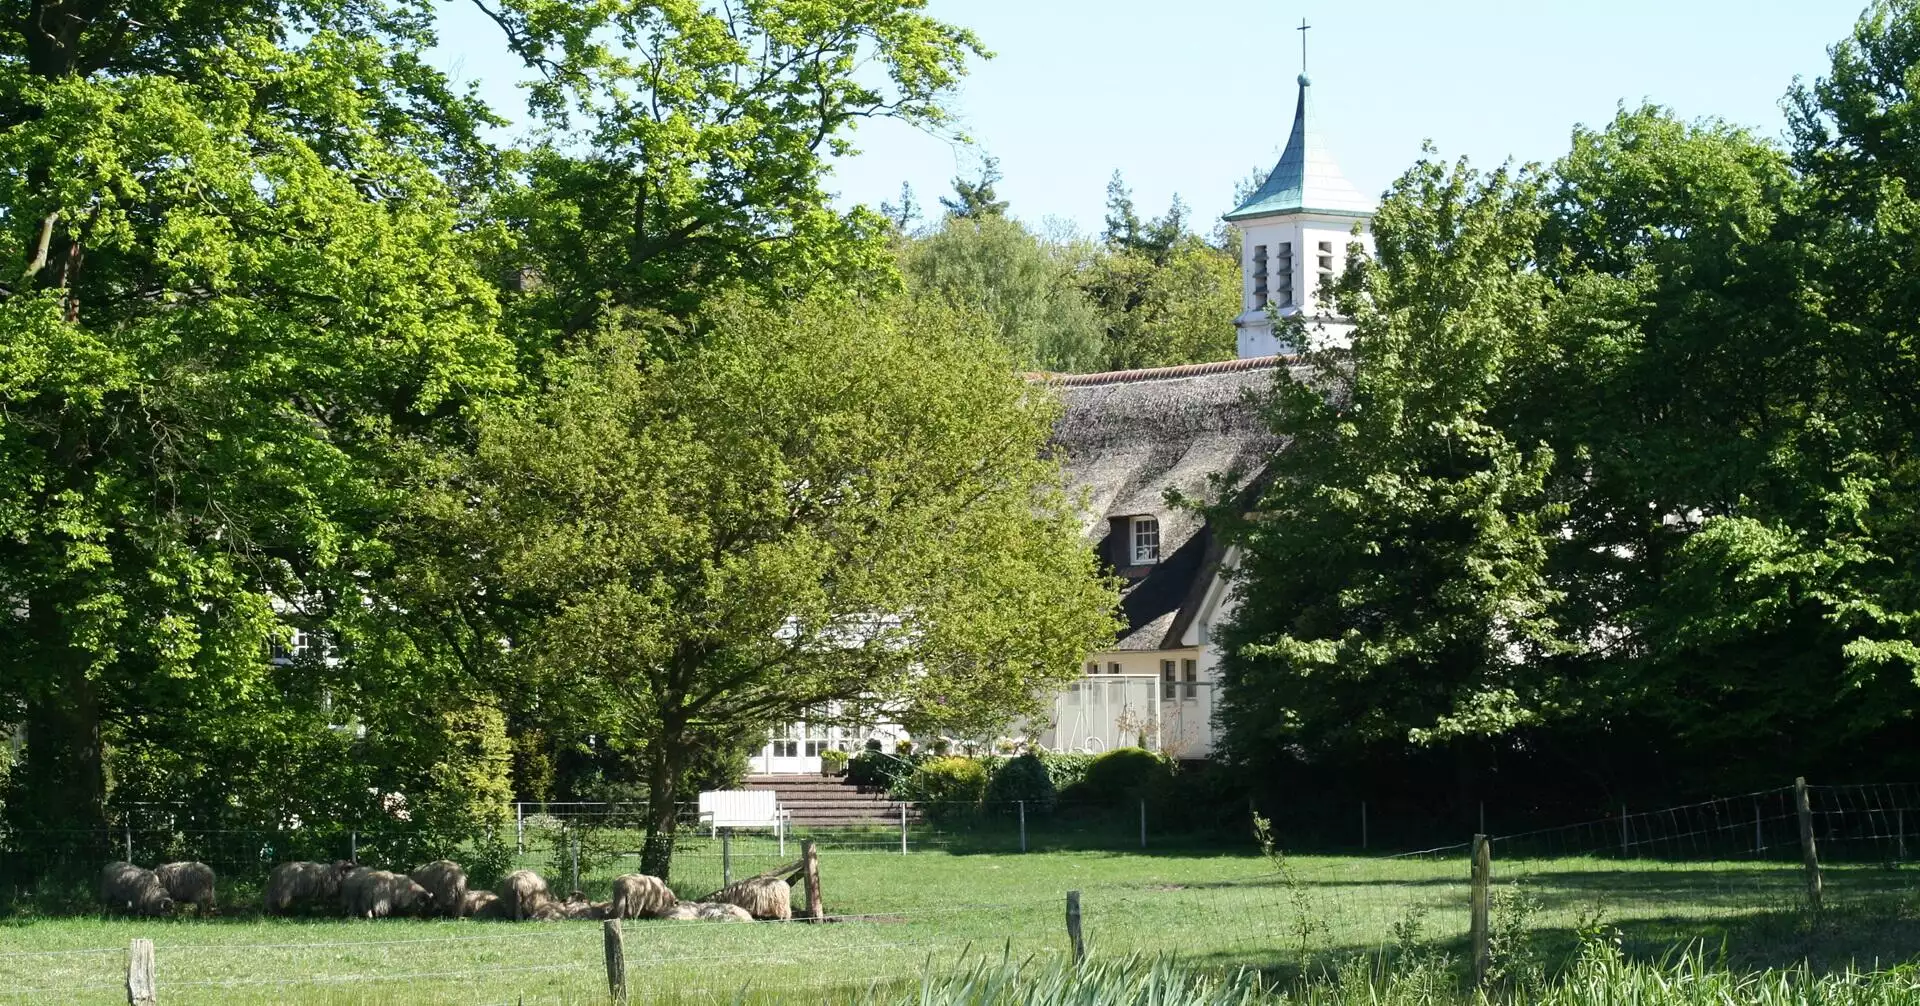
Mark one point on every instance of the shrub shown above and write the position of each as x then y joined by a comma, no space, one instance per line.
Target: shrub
946,787
877,768
1066,769
1125,774
1025,779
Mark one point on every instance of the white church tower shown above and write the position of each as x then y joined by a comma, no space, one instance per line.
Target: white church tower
1294,234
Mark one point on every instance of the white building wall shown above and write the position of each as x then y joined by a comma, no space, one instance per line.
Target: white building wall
1305,232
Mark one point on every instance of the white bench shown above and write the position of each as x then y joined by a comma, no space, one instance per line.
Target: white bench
744,808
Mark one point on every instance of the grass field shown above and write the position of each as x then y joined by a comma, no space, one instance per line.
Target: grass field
899,916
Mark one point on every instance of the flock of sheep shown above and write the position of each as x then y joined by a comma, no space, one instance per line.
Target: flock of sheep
436,889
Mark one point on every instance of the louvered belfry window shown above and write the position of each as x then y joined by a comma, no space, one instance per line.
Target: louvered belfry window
1283,275
1259,276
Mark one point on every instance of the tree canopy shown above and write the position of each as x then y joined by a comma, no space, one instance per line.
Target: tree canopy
1620,458
843,507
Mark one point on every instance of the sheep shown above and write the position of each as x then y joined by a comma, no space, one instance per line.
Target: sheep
188,884
127,888
304,886
575,908
636,894
375,894
448,882
483,905
525,893
762,897
710,911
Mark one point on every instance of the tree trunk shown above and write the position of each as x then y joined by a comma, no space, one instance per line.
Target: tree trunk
59,799
666,760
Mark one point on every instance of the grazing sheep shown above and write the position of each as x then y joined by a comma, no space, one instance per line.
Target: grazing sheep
525,893
127,888
448,882
636,894
483,905
375,894
762,897
708,911
188,884
305,886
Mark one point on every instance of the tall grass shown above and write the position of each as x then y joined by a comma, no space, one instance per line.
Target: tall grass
1601,976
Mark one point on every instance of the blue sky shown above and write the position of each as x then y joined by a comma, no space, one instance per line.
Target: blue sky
1189,97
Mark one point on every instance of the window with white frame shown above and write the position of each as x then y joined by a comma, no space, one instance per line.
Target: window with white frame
1146,540
1169,685
1189,679
1113,668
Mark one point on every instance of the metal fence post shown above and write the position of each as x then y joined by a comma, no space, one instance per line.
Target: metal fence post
353,847
1023,826
1623,830
903,827
1363,825
1900,832
726,857
576,862
519,828
1759,842
1143,822
129,843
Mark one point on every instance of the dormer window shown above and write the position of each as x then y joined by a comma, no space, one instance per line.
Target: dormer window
1146,541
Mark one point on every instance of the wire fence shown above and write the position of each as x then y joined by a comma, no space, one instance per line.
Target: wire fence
1732,873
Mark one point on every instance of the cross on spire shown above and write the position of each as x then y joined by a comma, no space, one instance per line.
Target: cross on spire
1303,44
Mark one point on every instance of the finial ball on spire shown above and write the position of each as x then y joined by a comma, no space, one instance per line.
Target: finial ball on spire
1305,81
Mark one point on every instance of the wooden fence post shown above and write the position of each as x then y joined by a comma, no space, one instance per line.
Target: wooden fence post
1479,902
1073,927
141,988
616,960
1812,860
810,856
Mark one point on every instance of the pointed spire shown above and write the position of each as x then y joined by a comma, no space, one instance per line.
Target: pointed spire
1306,180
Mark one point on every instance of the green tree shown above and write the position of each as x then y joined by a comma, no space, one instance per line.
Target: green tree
236,281
1166,297
976,200
1393,580
702,158
992,267
839,503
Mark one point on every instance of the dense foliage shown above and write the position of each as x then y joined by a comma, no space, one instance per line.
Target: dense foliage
282,328
1146,293
1618,471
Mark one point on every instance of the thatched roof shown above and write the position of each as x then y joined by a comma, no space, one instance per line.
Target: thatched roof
1129,436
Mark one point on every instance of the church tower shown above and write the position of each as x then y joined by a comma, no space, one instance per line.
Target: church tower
1294,233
